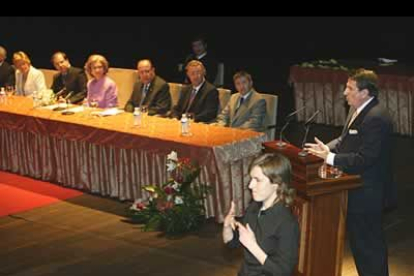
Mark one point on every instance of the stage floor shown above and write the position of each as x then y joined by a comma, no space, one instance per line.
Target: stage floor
89,235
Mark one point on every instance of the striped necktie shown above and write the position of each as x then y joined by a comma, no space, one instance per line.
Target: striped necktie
352,118
192,97
240,104
145,89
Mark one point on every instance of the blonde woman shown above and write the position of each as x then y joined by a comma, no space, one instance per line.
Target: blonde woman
269,231
28,78
101,88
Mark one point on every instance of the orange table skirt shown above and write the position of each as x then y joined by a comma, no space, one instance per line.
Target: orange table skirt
110,157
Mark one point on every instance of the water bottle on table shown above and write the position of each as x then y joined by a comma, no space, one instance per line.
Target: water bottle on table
2,96
184,125
137,117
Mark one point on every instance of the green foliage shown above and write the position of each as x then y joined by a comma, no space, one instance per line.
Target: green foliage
175,207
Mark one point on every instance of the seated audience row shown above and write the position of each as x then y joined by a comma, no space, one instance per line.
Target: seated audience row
245,109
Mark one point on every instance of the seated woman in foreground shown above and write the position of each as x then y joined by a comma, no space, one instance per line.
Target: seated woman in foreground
269,231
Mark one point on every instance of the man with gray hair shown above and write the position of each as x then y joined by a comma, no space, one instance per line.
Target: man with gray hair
199,98
6,70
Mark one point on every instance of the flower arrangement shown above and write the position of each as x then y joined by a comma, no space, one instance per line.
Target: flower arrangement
324,64
44,97
175,207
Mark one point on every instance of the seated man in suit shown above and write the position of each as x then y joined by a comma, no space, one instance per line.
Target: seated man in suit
150,90
245,109
199,48
6,70
199,98
69,79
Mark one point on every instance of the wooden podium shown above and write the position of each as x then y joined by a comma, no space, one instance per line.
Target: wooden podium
321,207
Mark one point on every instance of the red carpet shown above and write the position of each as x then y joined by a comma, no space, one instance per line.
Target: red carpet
18,193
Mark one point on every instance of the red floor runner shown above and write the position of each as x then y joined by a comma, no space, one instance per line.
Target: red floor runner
18,193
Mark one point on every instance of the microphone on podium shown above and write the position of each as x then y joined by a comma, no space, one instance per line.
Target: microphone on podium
307,125
288,119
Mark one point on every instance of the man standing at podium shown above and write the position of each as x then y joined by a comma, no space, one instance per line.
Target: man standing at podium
364,148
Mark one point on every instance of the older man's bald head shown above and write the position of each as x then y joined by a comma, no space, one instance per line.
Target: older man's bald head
146,71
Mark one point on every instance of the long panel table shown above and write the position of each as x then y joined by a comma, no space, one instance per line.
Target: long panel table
110,157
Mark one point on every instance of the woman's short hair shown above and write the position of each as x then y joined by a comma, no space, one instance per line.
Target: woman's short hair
18,56
94,59
278,169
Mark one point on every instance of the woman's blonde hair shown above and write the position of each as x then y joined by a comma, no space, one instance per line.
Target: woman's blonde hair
278,169
20,55
94,59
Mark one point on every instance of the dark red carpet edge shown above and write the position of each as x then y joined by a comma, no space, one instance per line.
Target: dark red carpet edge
19,193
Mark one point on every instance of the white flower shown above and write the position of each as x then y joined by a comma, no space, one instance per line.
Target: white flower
45,97
169,197
134,205
178,200
139,200
176,186
171,166
172,156
48,96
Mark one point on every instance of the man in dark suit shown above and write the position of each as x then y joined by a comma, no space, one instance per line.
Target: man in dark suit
246,109
6,70
364,148
199,47
150,90
69,79
199,98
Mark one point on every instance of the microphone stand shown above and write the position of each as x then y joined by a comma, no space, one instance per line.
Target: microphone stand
308,124
288,119
280,143
59,108
304,153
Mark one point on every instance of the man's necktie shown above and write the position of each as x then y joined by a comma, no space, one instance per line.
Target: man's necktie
145,89
240,104
352,118
192,96
64,79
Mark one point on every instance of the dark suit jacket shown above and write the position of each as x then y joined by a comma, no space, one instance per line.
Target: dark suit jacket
205,104
75,80
365,149
6,75
158,98
209,62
